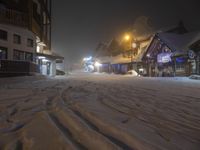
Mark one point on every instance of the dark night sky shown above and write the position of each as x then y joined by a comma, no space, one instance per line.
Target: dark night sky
79,25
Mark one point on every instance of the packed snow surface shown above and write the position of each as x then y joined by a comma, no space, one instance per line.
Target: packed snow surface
99,112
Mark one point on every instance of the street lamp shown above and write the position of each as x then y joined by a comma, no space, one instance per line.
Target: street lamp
127,37
133,45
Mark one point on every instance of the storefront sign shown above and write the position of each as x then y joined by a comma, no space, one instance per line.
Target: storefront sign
180,60
164,58
191,54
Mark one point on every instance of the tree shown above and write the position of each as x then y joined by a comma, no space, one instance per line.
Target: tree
114,47
101,50
142,28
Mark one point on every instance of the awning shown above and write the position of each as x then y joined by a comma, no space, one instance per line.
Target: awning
50,56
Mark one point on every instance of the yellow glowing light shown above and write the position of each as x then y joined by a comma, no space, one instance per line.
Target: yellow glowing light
127,37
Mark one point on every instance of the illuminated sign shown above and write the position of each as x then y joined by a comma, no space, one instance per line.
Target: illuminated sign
191,54
180,60
164,58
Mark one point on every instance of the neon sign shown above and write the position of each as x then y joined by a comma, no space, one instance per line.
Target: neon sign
164,58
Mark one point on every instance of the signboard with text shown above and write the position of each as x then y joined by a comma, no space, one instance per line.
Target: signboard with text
164,58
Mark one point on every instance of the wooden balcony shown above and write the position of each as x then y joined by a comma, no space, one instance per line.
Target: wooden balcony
13,17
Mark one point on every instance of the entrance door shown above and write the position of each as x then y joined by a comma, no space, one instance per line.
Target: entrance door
48,68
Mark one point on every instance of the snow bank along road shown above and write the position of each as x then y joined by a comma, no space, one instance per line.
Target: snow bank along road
99,112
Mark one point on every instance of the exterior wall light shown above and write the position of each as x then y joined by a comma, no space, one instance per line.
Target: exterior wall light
97,64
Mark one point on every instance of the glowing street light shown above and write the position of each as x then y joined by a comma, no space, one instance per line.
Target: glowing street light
127,37
133,45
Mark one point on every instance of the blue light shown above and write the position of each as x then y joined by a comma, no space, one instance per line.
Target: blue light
180,60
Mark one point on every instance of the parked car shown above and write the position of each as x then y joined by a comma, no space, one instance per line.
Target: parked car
60,72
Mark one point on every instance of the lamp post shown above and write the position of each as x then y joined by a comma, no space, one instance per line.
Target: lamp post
133,45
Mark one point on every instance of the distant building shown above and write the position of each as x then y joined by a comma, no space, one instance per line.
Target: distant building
25,36
121,61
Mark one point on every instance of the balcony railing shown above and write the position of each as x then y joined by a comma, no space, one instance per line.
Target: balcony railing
15,68
13,17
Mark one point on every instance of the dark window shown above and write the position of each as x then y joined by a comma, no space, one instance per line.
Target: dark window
16,39
28,56
3,35
3,53
18,55
29,42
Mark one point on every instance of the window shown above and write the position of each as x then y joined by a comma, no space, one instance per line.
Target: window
18,55
29,42
166,49
180,67
3,35
3,53
28,56
16,39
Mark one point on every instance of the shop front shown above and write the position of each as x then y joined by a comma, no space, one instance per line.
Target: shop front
47,63
169,65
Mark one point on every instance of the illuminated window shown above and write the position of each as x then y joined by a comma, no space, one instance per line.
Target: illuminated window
3,53
38,49
180,67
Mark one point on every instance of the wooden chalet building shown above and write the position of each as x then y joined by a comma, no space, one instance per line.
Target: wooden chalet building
171,54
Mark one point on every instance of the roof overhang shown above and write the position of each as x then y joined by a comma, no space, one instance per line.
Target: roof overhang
51,57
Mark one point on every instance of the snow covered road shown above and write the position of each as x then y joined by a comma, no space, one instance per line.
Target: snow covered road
97,111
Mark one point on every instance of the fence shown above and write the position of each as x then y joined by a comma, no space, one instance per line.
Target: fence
17,68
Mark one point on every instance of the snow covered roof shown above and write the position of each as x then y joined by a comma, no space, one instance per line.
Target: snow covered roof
113,59
177,29
51,56
121,59
103,59
179,41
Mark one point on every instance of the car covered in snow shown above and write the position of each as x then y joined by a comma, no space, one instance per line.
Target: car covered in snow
132,72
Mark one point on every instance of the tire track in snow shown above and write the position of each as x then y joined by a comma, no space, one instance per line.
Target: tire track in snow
95,128
67,133
92,126
79,132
